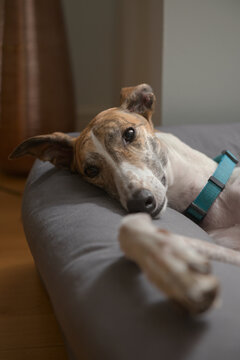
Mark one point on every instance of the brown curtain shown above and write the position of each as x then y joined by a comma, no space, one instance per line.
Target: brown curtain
37,94
139,51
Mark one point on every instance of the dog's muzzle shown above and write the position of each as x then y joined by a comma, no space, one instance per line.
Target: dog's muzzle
142,201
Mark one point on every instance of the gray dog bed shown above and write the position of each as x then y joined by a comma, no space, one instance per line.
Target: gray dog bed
104,304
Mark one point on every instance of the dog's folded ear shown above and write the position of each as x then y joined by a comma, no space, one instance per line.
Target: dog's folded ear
58,148
139,99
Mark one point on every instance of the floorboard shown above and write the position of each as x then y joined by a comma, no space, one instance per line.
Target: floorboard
28,327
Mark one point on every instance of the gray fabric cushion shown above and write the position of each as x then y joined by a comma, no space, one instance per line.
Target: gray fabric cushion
210,139
102,301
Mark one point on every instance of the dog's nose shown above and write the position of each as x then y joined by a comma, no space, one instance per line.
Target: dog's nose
142,201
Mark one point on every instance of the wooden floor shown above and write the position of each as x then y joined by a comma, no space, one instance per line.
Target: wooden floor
28,328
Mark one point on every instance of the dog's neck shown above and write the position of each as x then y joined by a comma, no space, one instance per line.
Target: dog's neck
187,172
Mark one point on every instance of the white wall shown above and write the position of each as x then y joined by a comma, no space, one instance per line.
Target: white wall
91,35
201,78
117,43
113,43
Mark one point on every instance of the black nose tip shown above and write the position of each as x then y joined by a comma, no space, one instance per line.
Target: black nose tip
142,201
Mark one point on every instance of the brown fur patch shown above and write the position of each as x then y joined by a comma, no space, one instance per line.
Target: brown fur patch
163,231
108,127
139,99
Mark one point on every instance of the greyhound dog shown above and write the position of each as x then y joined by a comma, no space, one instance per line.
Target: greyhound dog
145,170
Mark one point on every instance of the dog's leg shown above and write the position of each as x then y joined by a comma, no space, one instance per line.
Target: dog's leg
169,262
216,252
228,237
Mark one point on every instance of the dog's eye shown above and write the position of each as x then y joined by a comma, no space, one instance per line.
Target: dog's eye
129,135
91,171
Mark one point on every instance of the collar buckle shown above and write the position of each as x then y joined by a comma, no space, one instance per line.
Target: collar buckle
230,155
195,212
217,182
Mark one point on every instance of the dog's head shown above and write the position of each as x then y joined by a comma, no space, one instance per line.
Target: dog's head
118,151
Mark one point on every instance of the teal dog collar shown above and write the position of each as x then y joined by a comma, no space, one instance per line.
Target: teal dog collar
198,209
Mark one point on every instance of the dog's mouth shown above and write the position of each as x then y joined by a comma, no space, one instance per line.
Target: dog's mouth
159,208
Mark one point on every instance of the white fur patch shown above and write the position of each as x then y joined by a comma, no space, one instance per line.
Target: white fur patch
102,151
130,178
143,175
116,170
141,178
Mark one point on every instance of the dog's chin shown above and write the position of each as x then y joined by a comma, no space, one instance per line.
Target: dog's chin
160,208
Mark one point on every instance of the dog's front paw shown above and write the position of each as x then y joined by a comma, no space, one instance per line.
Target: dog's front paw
175,268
